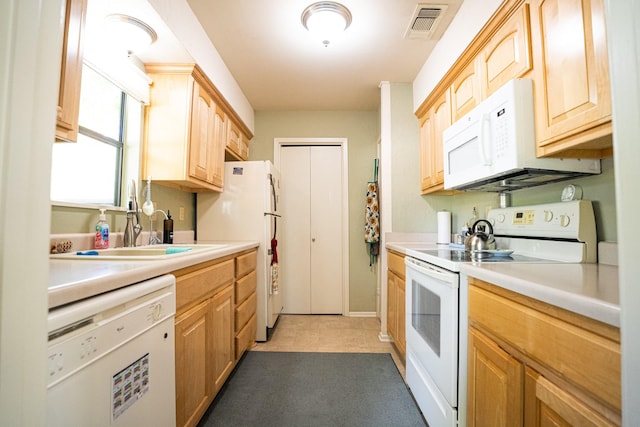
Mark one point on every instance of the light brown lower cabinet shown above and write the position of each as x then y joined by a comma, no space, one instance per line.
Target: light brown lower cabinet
532,364
193,389
206,350
396,301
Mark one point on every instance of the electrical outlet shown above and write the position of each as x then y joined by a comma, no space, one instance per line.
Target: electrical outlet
181,213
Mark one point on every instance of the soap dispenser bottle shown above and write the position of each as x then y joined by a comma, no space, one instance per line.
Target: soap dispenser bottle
102,232
167,233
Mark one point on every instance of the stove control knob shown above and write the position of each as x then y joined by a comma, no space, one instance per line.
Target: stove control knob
564,220
548,216
500,218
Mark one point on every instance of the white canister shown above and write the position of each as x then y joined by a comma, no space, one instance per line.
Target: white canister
444,227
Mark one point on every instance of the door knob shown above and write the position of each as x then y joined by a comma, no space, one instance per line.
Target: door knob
313,239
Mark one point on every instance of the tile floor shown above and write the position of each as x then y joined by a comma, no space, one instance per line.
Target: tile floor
329,333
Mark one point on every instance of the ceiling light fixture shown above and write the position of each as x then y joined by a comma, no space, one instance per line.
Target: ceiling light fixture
131,33
326,19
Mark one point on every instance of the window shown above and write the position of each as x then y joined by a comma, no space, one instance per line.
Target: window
92,170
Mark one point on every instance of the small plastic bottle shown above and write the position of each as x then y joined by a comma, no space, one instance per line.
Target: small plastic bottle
102,232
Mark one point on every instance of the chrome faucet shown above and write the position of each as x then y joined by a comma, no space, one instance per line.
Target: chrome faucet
131,232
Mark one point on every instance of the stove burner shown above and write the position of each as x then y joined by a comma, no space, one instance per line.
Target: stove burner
464,256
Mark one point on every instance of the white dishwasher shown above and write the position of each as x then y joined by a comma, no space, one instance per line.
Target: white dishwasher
111,358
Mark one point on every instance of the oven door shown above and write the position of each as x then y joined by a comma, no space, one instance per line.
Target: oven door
432,324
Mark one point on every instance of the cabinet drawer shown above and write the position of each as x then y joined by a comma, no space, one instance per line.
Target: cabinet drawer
395,263
192,284
246,337
245,264
245,310
586,359
245,287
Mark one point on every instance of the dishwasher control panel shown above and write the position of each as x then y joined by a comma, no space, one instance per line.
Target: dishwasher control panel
77,345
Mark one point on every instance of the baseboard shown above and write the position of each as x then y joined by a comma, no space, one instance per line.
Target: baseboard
362,314
385,337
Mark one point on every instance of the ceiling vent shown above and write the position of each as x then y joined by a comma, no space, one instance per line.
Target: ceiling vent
425,21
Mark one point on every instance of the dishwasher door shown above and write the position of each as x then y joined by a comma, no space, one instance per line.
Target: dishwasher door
111,358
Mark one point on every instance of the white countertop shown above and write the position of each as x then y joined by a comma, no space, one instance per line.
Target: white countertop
587,289
75,279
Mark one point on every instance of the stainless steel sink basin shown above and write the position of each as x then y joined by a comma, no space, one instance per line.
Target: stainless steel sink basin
138,253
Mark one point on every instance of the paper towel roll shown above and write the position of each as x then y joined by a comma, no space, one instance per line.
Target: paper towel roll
444,227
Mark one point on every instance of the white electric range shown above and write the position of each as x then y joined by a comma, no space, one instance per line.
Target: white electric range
436,295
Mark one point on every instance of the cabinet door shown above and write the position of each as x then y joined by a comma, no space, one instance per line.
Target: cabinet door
465,92
193,391
392,303
401,341
436,120
222,336
427,175
546,404
508,54
572,94
71,71
202,134
441,121
218,144
236,142
495,384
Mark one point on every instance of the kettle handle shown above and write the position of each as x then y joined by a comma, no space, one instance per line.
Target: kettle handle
473,227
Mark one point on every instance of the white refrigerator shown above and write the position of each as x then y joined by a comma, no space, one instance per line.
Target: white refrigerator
247,209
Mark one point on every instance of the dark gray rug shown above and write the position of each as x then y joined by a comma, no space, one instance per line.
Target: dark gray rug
314,389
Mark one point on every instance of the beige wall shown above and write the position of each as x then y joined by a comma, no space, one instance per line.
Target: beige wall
361,128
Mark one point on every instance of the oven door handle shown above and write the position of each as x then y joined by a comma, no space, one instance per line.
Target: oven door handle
421,267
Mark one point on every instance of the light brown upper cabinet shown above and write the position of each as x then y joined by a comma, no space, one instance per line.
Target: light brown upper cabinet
507,55
561,45
185,130
571,75
434,121
71,71
465,91
237,144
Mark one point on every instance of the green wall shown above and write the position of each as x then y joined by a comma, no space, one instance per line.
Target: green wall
82,220
361,128
410,211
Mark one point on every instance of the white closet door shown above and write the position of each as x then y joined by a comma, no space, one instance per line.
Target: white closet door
293,250
311,255
326,230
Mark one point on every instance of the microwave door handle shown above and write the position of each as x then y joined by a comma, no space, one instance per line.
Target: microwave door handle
484,139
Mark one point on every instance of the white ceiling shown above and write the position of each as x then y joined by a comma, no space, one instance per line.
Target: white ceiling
280,66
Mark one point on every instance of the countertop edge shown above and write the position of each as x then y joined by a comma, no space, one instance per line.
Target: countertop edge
97,277
586,306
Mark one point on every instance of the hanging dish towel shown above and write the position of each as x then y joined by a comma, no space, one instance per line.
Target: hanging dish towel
372,222
274,267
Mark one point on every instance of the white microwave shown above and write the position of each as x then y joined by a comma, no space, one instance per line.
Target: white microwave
492,148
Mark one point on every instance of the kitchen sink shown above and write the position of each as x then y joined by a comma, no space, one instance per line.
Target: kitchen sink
137,253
